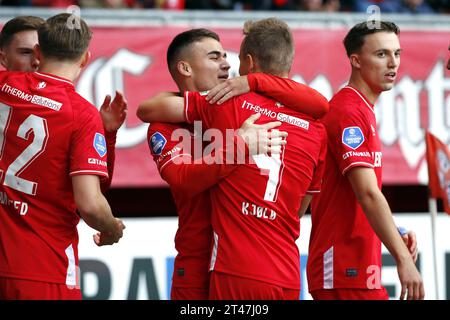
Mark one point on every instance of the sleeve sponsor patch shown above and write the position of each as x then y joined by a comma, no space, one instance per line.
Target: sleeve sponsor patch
352,137
100,144
157,143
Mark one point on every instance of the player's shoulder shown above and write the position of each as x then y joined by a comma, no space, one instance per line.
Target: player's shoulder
346,103
4,74
80,104
19,79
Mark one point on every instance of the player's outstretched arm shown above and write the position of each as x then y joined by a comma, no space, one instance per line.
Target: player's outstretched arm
95,210
164,107
378,213
292,94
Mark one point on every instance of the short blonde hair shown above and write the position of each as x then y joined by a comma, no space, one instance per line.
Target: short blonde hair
270,42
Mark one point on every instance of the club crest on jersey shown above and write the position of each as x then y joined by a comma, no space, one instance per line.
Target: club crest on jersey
100,144
352,137
157,143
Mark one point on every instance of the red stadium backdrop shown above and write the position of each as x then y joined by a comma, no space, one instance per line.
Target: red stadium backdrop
134,60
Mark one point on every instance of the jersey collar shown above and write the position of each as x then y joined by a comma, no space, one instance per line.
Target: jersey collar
366,101
52,76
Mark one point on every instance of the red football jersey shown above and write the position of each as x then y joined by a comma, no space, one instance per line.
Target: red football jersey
255,208
194,235
343,245
48,133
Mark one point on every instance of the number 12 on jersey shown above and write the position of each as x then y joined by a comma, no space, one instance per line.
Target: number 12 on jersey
34,124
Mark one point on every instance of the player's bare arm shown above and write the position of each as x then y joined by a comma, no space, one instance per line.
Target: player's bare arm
95,210
164,107
292,94
378,213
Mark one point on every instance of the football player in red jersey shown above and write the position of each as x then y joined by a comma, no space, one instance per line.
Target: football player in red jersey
17,41
255,209
196,62
53,155
351,215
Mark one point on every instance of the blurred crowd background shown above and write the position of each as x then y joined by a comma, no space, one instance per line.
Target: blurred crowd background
386,6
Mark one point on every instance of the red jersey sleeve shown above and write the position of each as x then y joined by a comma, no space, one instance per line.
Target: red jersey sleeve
292,94
316,183
178,168
89,150
351,142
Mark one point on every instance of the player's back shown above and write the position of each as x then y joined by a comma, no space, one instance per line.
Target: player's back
41,117
255,209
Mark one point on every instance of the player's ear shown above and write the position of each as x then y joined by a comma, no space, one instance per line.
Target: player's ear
3,60
184,68
251,63
37,52
354,60
85,59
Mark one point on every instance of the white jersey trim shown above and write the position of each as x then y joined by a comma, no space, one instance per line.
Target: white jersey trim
357,164
328,262
46,75
214,252
365,101
94,172
71,275
171,159
313,191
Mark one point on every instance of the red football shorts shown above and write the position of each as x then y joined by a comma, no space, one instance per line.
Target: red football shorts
228,287
19,289
188,294
350,294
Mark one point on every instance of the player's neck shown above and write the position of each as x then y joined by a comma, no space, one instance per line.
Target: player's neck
359,84
69,71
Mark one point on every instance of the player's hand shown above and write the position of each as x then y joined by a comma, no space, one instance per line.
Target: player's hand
109,238
262,139
228,89
410,241
411,281
113,113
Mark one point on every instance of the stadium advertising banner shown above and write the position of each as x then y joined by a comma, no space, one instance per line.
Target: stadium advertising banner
133,60
140,266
